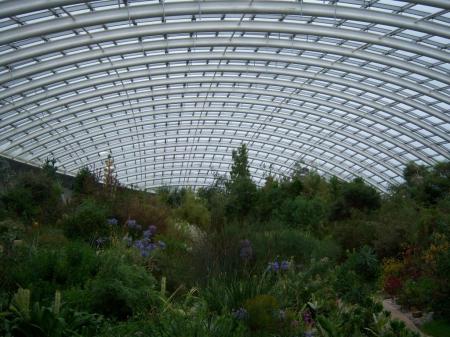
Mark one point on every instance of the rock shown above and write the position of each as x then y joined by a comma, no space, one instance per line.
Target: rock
417,314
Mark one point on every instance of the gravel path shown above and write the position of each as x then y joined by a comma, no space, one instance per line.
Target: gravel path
394,309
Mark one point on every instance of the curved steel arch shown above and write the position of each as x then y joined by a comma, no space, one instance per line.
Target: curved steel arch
222,69
291,138
340,67
284,174
243,90
191,28
248,101
216,42
240,138
221,7
235,90
259,57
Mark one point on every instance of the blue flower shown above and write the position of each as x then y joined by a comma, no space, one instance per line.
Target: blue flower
147,234
152,229
240,313
100,241
274,266
284,265
145,253
131,223
112,222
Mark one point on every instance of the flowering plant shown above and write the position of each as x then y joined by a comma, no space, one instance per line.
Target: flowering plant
276,266
308,320
146,244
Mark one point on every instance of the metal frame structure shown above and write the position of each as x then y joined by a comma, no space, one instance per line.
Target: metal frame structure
169,87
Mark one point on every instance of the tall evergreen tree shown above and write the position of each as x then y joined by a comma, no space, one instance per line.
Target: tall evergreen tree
241,189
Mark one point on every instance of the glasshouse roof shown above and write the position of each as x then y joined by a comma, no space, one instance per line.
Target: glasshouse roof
169,88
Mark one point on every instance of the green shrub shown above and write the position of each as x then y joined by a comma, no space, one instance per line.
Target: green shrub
46,270
307,214
225,293
355,278
196,326
354,233
355,195
263,313
437,328
287,243
217,253
193,211
417,294
146,209
121,288
86,182
34,197
87,222
441,304
10,230
27,319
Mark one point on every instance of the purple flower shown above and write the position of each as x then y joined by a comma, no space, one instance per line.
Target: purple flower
139,244
240,313
112,221
131,223
152,229
307,318
147,234
100,241
284,265
274,266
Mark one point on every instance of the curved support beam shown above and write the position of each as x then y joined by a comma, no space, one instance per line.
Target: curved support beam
185,177
228,56
165,169
241,139
253,158
220,8
73,87
261,110
53,150
81,40
251,102
183,180
246,42
14,7
326,149
137,85
143,168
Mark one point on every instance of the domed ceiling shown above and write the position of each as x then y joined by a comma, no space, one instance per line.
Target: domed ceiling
168,88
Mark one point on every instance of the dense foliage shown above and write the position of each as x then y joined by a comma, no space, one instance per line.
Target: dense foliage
298,256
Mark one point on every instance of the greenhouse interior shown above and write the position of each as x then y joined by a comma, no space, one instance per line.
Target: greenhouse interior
225,168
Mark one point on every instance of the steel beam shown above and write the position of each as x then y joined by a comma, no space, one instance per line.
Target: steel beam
67,164
73,87
253,102
124,98
217,8
248,57
53,150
